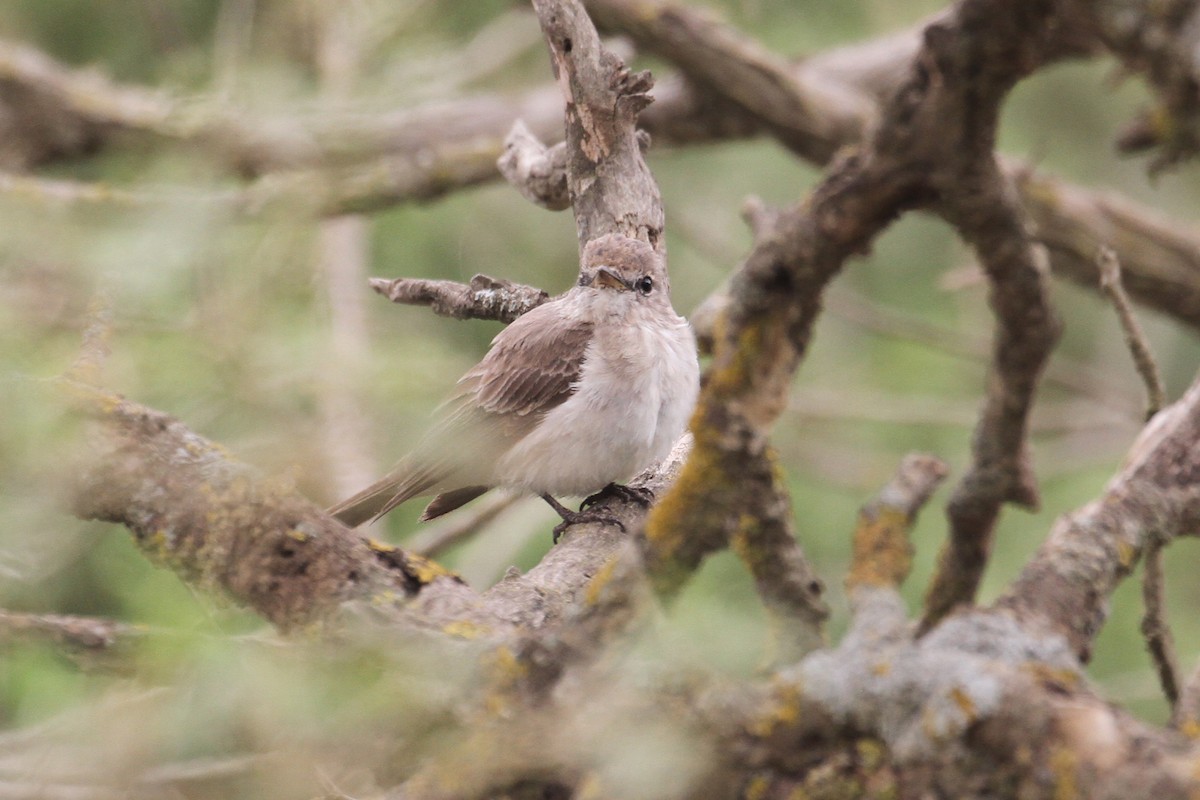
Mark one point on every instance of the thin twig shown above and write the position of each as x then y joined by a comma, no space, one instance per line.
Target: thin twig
80,633
483,298
1139,347
1159,640
94,350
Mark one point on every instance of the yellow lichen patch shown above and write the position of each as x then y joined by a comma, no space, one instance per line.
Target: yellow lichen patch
506,672
1190,728
783,710
742,541
881,668
1065,767
871,754
596,586
380,547
1126,554
426,570
731,371
297,535
964,702
1163,123
757,788
504,663
385,598
101,401
1053,677
465,629
757,370
670,519
882,554
1042,192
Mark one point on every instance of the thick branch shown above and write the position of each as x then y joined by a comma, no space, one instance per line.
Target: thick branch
1155,497
973,61
221,526
610,186
812,116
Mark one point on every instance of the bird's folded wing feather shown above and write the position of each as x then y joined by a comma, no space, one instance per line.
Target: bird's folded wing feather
531,367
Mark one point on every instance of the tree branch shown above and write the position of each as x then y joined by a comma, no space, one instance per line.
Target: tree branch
221,526
1160,42
1135,337
483,298
975,61
1156,496
610,186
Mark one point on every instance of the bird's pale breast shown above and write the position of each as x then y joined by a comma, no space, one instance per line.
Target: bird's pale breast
631,403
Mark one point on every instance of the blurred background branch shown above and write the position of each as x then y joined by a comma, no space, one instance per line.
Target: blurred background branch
230,171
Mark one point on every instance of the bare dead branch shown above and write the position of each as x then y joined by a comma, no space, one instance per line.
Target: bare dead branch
1135,337
882,555
774,297
970,62
1034,722
765,539
219,525
882,551
763,336
483,298
612,190
343,256
538,172
610,186
1155,497
1161,261
812,116
87,634
1155,629
95,348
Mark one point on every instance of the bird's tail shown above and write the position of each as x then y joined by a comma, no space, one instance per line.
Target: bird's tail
391,490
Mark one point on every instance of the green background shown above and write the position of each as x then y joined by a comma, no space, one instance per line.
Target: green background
225,324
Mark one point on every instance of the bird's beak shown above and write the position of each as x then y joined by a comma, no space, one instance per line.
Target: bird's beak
608,279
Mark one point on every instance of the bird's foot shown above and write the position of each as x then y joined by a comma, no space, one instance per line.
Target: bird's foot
631,494
570,517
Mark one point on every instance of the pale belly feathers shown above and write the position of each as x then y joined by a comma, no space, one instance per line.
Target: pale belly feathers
635,393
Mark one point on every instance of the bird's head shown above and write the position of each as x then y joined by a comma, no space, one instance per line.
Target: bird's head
624,273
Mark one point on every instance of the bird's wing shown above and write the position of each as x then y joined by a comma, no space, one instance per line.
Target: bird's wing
532,367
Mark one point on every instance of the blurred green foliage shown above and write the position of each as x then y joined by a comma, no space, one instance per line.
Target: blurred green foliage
226,324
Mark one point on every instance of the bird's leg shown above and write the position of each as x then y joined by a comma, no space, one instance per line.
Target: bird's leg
640,495
570,517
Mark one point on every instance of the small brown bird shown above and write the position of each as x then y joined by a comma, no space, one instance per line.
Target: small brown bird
585,390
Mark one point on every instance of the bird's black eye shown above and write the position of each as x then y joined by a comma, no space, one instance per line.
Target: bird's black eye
645,284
